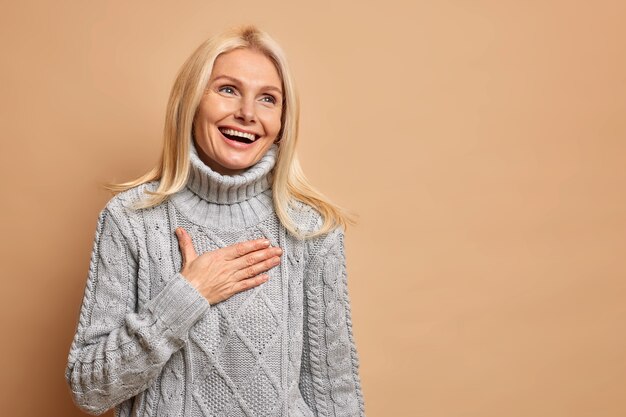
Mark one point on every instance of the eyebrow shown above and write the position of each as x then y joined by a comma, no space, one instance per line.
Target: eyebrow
235,80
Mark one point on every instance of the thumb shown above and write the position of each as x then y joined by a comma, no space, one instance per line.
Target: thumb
186,246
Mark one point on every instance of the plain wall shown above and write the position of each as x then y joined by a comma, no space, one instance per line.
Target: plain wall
481,142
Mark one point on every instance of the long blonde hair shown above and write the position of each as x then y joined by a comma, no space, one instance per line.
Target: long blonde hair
289,182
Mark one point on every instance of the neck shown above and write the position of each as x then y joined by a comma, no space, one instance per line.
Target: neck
214,187
218,200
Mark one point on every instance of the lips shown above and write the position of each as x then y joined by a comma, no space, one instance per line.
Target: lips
237,142
238,135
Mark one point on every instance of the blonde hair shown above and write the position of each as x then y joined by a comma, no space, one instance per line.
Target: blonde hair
289,182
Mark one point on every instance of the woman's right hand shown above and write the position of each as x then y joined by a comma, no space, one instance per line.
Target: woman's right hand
221,273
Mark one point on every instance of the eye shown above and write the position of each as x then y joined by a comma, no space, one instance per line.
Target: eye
269,99
228,89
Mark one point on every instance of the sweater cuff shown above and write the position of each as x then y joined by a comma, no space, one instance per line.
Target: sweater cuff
179,305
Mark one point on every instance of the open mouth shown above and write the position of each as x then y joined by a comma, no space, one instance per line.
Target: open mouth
238,136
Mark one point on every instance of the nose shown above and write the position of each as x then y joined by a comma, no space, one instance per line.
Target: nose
246,111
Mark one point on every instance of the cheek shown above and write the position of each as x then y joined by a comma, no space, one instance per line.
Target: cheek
272,122
214,109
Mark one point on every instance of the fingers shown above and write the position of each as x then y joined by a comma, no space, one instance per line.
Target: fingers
185,244
254,261
246,284
242,248
258,256
221,273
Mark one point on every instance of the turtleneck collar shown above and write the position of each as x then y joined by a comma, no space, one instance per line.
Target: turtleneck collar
229,189
227,202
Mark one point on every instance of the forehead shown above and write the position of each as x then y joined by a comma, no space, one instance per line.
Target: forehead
250,66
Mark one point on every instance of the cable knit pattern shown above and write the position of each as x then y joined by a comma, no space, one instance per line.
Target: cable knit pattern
148,344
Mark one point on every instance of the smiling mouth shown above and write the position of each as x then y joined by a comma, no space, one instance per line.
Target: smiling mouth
238,136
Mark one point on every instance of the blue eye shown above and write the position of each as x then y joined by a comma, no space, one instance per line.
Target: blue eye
270,99
227,89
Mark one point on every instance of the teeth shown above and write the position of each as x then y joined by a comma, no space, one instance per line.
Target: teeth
233,132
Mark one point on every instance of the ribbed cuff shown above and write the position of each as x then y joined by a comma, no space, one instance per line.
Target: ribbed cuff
179,305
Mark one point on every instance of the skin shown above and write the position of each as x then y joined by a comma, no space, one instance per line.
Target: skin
221,273
244,92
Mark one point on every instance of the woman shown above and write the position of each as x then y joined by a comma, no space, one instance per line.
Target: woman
217,283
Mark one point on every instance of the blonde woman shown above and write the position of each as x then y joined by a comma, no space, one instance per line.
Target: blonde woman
217,284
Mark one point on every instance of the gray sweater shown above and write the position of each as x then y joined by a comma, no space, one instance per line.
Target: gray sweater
149,344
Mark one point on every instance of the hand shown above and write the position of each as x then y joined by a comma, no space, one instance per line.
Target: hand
221,273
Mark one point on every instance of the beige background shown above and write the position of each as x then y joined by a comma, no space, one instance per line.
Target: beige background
481,142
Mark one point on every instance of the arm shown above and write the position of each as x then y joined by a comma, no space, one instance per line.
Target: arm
329,375
117,352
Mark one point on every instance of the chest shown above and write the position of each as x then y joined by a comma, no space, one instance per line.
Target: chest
160,258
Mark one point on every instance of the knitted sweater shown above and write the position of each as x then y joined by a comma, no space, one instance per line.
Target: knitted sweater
149,344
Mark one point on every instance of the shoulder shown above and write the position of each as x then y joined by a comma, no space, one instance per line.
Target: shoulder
309,220
124,201
121,211
306,218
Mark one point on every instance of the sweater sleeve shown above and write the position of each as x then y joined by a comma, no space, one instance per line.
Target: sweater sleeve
329,375
117,351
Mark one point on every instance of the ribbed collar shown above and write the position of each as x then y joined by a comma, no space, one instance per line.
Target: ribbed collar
214,187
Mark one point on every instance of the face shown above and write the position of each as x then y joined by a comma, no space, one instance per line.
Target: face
238,118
